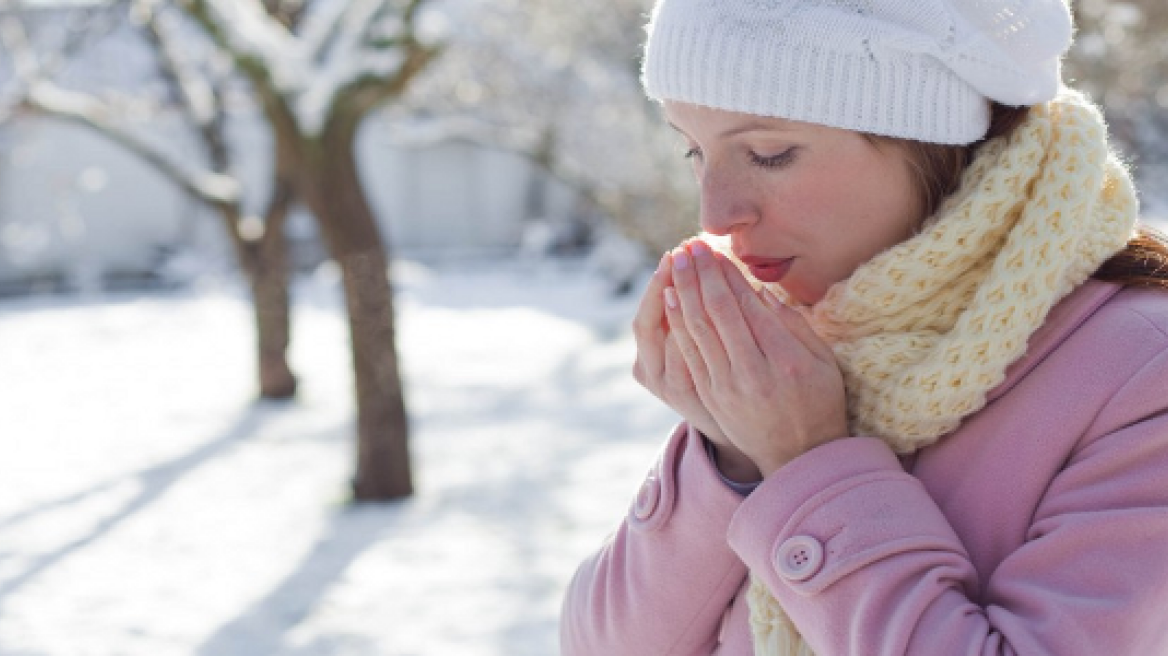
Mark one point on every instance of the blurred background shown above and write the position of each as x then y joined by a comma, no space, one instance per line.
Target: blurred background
314,313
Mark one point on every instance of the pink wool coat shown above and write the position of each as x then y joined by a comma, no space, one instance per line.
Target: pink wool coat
1039,527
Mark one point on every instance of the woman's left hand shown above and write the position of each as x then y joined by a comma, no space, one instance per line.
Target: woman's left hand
770,382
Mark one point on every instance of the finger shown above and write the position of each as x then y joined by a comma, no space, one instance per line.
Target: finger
677,375
739,285
800,328
649,324
679,332
734,274
792,319
723,308
776,339
743,289
692,314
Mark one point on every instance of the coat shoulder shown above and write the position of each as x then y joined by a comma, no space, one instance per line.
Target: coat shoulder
1150,305
1123,348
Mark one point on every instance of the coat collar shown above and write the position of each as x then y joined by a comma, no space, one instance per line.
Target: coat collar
1063,319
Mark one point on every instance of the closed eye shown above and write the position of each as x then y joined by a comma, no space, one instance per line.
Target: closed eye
774,161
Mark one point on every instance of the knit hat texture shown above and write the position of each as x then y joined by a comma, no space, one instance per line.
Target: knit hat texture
915,69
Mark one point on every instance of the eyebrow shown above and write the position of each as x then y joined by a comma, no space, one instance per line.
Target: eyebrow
753,126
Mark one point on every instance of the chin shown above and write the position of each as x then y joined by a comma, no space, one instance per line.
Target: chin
795,294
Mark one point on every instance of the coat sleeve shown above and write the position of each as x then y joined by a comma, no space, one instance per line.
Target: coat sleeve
864,562
662,583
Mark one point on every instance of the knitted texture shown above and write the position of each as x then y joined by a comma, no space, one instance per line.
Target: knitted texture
925,330
916,69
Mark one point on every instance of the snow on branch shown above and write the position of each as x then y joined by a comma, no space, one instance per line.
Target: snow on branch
319,28
249,31
343,42
15,40
84,109
197,95
41,94
367,40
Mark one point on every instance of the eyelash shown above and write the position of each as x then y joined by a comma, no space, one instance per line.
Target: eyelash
773,162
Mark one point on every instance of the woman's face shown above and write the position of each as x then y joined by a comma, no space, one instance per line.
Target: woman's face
804,205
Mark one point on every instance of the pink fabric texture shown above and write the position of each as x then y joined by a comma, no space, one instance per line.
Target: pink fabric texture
1039,527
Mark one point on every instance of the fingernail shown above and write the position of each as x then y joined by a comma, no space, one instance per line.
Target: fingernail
699,248
671,298
680,259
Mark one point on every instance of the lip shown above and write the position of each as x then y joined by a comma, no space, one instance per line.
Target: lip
767,269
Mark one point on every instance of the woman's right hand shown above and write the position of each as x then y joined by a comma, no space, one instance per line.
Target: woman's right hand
661,369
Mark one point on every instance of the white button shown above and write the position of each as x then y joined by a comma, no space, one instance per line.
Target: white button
799,558
647,498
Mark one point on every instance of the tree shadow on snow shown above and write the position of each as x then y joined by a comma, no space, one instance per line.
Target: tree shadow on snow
535,501
263,628
154,482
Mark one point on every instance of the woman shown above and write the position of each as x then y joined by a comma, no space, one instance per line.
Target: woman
930,416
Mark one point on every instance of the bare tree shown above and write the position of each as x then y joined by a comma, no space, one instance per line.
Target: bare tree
316,73
259,245
315,87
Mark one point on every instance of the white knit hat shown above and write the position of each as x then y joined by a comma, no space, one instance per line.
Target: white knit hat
917,69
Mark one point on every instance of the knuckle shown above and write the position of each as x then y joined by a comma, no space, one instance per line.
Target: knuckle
721,305
796,369
700,327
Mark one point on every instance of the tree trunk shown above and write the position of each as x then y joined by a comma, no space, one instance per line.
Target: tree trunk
269,289
332,188
265,264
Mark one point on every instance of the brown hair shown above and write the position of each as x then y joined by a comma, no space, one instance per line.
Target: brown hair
938,168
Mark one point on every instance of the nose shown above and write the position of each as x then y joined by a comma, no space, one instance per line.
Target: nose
726,205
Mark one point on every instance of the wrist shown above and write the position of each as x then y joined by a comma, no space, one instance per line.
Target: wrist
735,465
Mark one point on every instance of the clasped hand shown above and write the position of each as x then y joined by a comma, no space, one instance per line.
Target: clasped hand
739,366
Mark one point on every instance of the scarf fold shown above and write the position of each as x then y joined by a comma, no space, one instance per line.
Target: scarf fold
925,330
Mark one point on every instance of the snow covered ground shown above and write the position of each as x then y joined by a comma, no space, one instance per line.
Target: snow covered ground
149,507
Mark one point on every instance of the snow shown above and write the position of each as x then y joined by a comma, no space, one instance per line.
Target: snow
250,30
335,49
150,508
336,42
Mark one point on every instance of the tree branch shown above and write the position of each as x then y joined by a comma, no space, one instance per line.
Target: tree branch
197,95
367,93
44,96
14,37
320,29
212,188
266,52
288,12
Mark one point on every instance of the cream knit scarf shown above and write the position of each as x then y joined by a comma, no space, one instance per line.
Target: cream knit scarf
926,329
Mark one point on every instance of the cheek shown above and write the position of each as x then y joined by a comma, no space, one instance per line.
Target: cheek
881,204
